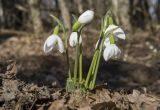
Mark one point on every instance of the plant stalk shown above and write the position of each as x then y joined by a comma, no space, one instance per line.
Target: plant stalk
76,64
92,85
90,69
80,65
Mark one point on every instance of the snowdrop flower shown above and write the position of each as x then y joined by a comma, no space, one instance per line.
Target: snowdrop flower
117,31
83,19
86,17
53,41
74,39
111,51
106,42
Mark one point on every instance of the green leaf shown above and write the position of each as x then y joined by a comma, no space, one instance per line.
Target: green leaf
58,21
109,13
74,17
102,23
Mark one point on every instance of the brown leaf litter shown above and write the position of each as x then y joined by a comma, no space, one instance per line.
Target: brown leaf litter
19,95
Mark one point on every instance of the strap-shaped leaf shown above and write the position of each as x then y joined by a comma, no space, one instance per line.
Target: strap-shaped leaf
102,24
58,21
74,17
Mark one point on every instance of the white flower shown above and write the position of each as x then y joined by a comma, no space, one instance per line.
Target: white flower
111,51
74,39
53,41
117,31
86,17
106,42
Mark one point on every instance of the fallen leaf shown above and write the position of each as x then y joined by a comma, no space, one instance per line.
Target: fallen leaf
11,69
104,106
85,108
57,105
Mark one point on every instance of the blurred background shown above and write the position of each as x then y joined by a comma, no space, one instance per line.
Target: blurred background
33,15
25,24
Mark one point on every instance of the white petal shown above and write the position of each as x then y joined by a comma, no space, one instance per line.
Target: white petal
49,43
86,17
51,40
119,33
106,42
74,39
110,28
96,44
60,45
111,51
117,51
107,54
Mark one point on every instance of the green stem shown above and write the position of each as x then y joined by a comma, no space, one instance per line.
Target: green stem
97,66
66,52
94,66
90,69
100,47
80,65
78,59
76,64
68,65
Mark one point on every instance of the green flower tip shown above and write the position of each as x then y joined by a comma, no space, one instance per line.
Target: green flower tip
76,26
111,39
56,30
110,20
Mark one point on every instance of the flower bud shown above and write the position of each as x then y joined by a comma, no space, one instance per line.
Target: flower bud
86,17
73,40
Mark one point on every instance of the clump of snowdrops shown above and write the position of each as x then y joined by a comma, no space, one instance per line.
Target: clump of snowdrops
105,46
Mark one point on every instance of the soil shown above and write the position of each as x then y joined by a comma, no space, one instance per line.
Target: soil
32,80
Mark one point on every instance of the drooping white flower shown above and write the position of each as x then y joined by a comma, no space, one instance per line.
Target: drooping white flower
74,39
106,43
86,17
111,51
53,41
117,31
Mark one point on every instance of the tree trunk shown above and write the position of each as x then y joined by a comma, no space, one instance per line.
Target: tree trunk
35,16
79,5
90,4
65,13
100,7
121,12
1,14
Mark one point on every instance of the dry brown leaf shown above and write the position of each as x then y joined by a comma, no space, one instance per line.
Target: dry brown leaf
116,97
11,68
85,108
104,106
41,108
57,105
